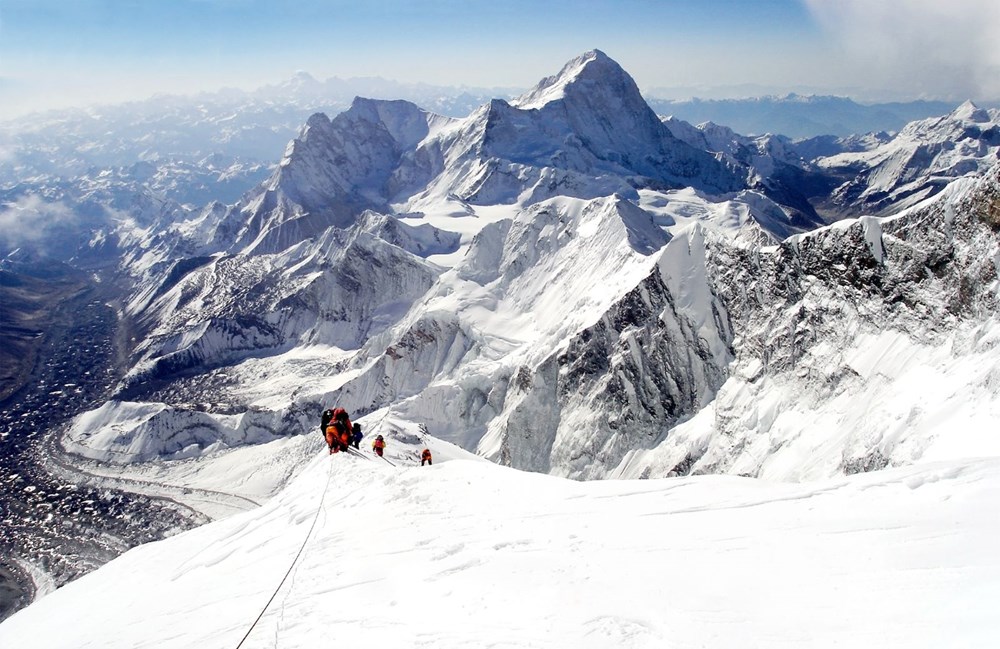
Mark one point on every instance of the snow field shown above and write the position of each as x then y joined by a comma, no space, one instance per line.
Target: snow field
467,554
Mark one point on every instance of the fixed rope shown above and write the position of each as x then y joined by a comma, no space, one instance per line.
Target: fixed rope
329,475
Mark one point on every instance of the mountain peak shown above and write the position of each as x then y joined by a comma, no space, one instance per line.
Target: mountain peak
301,77
969,112
593,67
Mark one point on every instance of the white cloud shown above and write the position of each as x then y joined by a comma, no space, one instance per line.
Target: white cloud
30,219
936,48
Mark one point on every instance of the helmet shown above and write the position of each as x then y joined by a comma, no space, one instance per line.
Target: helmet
379,437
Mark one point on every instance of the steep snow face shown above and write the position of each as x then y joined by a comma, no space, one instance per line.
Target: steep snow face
409,555
523,288
919,161
655,355
599,102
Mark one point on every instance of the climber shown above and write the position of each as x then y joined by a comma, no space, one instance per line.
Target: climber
426,457
325,420
378,446
356,437
338,429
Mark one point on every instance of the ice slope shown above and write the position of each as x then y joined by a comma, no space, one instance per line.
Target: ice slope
356,552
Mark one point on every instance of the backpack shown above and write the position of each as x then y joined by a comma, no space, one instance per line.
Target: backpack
339,414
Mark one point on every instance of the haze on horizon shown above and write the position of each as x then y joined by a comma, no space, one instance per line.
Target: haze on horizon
56,53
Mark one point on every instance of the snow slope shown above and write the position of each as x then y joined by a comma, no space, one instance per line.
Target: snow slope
356,552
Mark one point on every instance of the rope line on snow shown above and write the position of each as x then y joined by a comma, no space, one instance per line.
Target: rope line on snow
357,453
329,476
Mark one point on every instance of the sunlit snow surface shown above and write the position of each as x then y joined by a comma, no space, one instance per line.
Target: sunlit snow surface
468,554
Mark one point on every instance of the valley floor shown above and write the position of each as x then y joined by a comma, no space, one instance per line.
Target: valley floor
466,553
53,528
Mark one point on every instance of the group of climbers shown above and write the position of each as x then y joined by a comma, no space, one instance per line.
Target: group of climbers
341,434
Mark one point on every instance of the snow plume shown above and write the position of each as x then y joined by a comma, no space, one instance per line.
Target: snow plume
30,218
948,47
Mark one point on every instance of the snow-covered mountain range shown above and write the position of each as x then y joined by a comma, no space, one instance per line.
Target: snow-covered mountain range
561,282
555,282
915,164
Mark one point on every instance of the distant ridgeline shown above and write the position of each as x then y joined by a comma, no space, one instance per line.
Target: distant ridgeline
800,116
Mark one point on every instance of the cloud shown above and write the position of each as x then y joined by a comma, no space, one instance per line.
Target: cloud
30,219
929,47
8,153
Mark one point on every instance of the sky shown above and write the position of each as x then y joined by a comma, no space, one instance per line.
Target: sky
68,52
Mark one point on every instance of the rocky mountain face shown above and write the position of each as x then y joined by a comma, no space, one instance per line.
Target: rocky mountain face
837,356
565,283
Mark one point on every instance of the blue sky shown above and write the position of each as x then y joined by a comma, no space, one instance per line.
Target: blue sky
77,51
